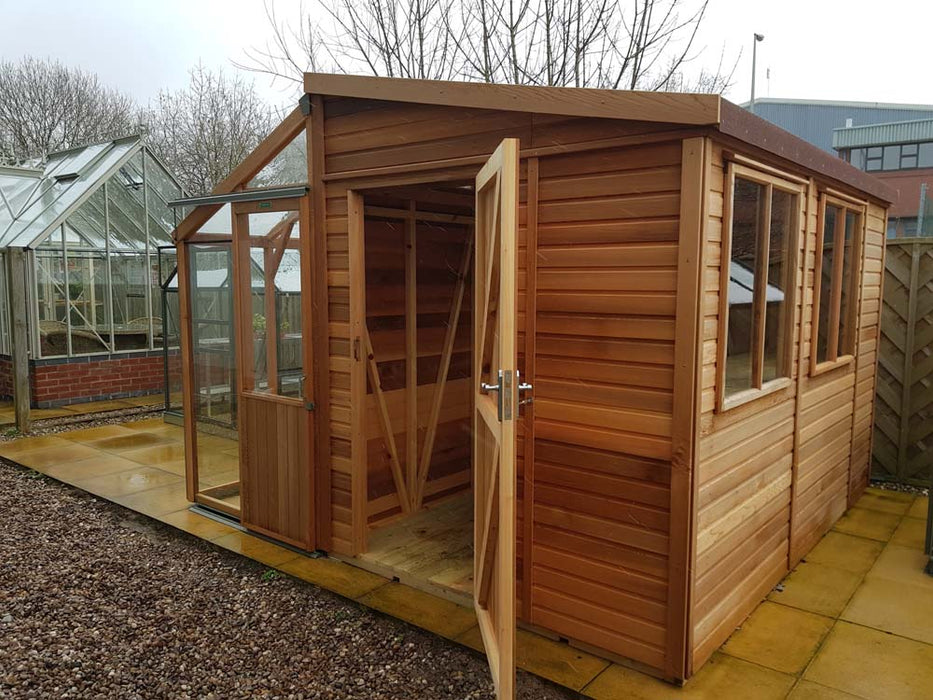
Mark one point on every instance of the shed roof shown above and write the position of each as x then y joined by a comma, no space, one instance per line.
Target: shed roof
675,108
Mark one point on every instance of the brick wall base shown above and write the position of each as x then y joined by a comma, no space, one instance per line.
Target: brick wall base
60,381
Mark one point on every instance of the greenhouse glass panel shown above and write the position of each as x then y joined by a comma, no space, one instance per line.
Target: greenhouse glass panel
129,284
289,167
161,190
87,302
63,190
52,303
85,228
127,207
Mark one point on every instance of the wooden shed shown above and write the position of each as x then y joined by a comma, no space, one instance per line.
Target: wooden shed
689,295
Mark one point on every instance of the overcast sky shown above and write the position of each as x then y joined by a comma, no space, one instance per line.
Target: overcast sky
817,49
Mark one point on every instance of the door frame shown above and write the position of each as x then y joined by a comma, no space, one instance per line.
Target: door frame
242,315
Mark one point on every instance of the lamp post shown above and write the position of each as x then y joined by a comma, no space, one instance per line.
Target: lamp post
758,37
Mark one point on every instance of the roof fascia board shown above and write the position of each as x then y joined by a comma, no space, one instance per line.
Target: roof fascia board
677,108
59,220
248,168
751,129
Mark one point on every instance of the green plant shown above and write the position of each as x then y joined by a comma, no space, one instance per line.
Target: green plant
270,575
259,322
11,432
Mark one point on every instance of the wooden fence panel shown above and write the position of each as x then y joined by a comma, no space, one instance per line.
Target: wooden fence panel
903,432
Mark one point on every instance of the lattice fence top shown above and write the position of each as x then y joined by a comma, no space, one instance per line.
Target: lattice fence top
903,438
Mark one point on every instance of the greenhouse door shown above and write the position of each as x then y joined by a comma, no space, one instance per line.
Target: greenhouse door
496,401
275,402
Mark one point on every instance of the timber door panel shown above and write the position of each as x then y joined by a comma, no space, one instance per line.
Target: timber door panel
276,420
495,378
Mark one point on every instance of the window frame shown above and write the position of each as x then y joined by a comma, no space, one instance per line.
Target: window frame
834,358
770,178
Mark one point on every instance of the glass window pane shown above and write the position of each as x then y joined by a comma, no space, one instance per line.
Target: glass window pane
127,207
289,167
780,281
926,155
85,227
892,158
276,302
857,158
288,322
87,302
848,301
52,302
908,149
826,281
747,210
131,321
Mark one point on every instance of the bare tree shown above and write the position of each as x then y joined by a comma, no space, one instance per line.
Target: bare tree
46,107
204,130
623,44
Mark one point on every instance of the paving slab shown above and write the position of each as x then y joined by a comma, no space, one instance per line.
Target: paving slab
764,637
427,611
723,676
873,664
817,588
873,524
847,552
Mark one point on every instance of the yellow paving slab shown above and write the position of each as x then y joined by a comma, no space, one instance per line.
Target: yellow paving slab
15,447
556,661
910,533
158,501
847,552
128,482
808,690
99,465
885,501
70,451
147,400
46,413
873,664
873,524
817,588
148,424
723,676
99,432
335,576
255,548
899,608
196,524
158,454
902,565
135,440
764,637
919,507
427,611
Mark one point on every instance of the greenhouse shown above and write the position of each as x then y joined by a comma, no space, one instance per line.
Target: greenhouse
82,241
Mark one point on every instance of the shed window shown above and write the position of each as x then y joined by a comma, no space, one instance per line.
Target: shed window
758,273
836,293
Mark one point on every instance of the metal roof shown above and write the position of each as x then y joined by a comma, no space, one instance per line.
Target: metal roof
917,131
33,202
815,120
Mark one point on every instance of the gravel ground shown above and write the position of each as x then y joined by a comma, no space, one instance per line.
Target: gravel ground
96,601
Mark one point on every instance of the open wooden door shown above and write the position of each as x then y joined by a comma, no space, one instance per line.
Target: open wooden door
272,308
496,381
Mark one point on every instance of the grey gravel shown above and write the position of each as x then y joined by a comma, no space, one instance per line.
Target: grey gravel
97,601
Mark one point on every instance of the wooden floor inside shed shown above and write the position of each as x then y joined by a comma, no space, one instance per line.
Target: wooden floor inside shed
431,550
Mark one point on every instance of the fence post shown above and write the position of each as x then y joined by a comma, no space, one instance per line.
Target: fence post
19,335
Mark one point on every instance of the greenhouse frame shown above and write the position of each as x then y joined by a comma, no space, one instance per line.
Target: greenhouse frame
82,239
